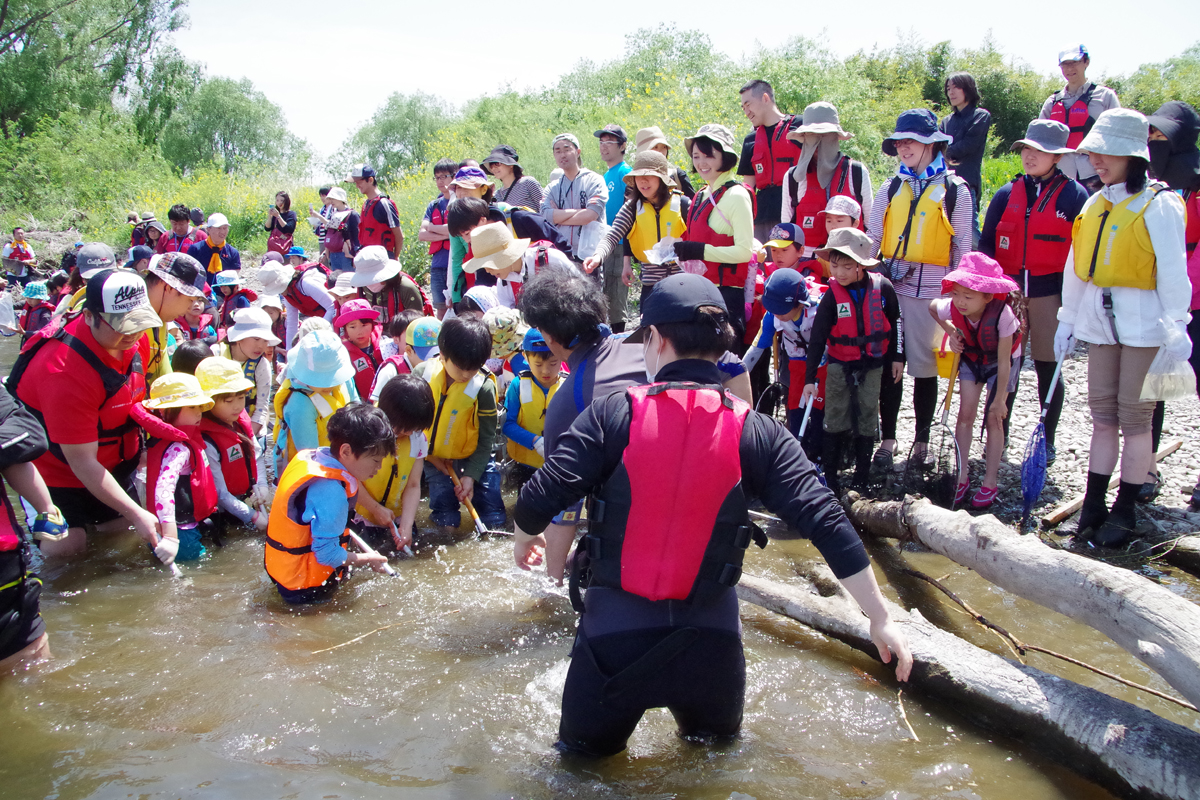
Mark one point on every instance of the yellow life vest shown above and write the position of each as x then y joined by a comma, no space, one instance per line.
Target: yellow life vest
922,233
532,417
454,433
650,225
1112,245
288,557
325,404
159,362
387,486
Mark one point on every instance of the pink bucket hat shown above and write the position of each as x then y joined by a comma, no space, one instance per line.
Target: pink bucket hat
979,273
355,309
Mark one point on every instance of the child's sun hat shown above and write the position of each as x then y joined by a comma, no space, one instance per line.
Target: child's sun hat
979,273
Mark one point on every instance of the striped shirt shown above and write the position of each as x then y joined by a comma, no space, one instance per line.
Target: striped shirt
525,193
619,231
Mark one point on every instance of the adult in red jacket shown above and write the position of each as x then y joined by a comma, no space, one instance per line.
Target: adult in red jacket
767,153
380,222
80,382
1028,230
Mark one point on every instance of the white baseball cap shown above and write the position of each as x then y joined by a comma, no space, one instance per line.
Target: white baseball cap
217,220
119,296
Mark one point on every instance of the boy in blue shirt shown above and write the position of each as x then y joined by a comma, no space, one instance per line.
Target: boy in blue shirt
525,405
434,231
306,553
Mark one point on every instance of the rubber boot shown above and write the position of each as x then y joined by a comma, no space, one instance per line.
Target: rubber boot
1122,518
1095,509
831,458
864,447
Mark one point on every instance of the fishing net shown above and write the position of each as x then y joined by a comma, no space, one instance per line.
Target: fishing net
935,474
773,402
1033,470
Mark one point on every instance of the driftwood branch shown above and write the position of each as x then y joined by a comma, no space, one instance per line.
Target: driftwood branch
1148,620
1125,748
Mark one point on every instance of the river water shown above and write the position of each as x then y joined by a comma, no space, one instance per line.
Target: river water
210,687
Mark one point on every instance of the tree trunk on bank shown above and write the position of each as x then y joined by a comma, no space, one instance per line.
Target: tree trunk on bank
1127,749
1151,622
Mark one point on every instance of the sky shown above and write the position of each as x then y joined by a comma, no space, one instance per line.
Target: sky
330,71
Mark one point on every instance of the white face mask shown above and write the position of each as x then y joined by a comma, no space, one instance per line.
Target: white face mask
375,287
650,373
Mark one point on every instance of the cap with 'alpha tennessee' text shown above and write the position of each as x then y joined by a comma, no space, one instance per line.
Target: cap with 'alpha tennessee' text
120,298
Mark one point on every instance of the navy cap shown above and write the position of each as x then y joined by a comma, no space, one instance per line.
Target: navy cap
784,291
138,253
676,299
785,233
918,124
614,130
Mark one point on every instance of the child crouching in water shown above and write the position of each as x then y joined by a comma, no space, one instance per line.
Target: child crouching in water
525,402
306,554
229,442
179,484
986,331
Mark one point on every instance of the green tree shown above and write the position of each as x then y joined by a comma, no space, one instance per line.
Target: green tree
394,138
59,54
231,124
160,88
1152,85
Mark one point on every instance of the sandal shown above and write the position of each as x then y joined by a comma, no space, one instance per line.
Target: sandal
1149,489
960,494
984,497
882,460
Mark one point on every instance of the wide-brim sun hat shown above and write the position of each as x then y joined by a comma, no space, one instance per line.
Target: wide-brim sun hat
270,301
337,193
1047,135
249,322
918,124
501,154
222,376
35,290
177,390
820,118
649,164
295,250
355,309
718,134
647,138
373,265
1118,132
229,277
494,247
850,242
320,361
344,286
470,178
979,273
508,329
275,277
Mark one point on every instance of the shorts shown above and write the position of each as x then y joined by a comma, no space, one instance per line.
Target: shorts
611,684
314,594
968,371
21,622
190,548
839,395
80,507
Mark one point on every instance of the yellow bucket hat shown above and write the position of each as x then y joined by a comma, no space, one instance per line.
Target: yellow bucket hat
222,376
178,390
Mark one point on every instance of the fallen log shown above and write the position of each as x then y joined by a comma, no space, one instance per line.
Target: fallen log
1127,749
1064,510
1151,622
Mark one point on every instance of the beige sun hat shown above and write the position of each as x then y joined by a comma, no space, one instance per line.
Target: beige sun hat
850,242
716,133
650,163
494,247
647,138
344,286
820,117
1118,132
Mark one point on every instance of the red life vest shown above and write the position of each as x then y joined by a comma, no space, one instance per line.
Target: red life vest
1076,118
170,243
1033,237
28,315
238,467
806,210
698,230
671,523
1192,231
186,330
372,231
437,216
197,499
860,331
307,306
774,155
981,344
228,307
396,361
20,251
366,364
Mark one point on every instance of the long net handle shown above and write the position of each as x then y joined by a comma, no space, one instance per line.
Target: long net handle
1053,386
950,389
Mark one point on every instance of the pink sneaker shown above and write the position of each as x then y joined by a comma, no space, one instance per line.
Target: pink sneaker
984,497
960,494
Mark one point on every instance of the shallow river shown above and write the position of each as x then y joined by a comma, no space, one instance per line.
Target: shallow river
210,687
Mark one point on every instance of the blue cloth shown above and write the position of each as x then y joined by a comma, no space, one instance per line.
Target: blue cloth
190,548
768,332
300,416
437,277
615,179
230,257
444,507
326,509
340,262
512,407
936,167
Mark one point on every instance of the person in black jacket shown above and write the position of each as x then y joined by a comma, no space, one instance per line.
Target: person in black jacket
671,467
969,126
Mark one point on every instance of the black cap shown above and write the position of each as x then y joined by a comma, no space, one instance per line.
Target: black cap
139,253
196,216
612,129
676,299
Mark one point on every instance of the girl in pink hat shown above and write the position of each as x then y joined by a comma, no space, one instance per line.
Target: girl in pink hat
360,335
985,330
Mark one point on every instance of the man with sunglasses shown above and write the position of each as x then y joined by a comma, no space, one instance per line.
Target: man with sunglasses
80,382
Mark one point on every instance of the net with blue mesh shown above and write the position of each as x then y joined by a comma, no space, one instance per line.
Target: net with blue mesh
1033,468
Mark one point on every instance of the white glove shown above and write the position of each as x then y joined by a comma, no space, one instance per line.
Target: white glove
166,550
260,520
539,446
1064,341
261,496
1177,342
